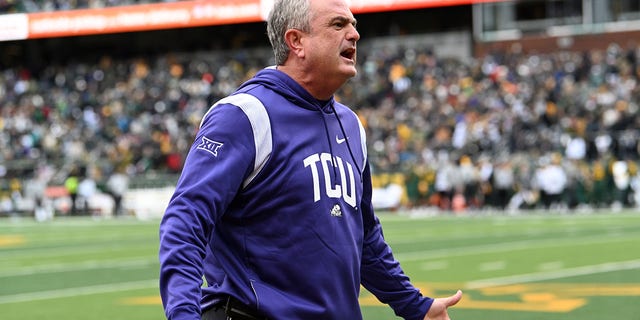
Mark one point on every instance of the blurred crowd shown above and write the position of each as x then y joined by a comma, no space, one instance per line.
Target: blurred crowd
508,130
28,6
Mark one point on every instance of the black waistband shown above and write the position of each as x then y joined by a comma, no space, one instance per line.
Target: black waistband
236,310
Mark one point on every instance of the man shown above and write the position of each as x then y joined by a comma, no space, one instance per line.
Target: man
274,203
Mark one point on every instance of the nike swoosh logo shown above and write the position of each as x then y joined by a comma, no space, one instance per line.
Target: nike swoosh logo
340,141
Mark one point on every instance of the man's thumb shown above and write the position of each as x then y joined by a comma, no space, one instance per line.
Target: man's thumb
452,300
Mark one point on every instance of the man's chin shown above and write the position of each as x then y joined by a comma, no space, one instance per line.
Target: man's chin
351,72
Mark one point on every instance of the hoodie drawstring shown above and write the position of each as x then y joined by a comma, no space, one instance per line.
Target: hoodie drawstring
344,133
333,157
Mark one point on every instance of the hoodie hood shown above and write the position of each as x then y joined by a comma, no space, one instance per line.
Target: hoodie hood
284,85
281,83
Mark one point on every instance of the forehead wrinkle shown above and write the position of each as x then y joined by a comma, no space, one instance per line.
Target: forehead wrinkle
343,19
335,14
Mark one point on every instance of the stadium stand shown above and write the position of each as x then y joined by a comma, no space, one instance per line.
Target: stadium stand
508,129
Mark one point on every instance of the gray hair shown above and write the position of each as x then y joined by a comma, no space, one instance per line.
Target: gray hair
285,15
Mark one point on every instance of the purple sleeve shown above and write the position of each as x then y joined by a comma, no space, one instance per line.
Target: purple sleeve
381,272
220,158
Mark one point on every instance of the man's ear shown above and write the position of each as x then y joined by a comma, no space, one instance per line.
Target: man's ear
294,38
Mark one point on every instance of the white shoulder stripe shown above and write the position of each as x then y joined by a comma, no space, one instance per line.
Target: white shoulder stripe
363,141
260,124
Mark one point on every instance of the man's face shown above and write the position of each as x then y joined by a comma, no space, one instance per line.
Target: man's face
331,46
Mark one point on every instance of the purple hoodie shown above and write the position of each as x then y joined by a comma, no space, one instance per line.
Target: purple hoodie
273,207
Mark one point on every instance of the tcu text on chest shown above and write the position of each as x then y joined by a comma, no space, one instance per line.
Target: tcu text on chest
324,164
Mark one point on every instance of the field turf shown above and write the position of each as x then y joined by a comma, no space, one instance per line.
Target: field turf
548,266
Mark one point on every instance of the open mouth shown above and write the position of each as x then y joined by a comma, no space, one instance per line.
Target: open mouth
349,53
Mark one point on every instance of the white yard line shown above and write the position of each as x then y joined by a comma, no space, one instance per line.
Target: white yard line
509,246
435,265
79,266
78,291
65,249
492,266
557,274
551,266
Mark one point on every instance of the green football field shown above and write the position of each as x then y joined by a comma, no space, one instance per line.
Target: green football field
531,266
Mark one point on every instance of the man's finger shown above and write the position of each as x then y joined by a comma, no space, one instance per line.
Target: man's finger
452,300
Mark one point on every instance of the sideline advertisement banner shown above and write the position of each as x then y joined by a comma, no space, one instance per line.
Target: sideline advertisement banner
14,27
170,15
370,6
144,17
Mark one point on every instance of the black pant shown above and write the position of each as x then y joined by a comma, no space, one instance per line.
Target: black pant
215,313
231,309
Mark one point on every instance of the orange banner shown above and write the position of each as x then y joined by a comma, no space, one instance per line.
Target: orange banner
369,6
181,14
142,17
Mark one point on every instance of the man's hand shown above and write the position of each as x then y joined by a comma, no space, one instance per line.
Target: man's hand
438,310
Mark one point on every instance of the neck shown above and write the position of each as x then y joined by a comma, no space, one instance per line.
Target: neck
321,89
